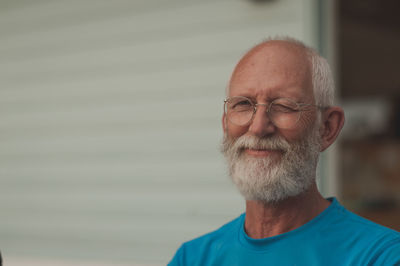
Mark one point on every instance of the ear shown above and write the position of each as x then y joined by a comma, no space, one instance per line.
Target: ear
332,123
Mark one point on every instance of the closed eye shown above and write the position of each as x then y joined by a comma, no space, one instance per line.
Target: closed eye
284,108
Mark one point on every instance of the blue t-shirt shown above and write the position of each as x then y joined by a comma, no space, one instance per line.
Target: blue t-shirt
335,237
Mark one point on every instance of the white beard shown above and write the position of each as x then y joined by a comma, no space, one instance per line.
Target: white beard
272,179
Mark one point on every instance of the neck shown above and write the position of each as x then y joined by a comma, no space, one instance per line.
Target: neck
271,219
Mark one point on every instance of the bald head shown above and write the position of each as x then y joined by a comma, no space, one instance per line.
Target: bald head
275,52
292,59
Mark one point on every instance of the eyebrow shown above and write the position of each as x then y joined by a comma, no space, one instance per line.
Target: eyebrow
253,99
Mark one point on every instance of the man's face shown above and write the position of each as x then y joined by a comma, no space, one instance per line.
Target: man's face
268,163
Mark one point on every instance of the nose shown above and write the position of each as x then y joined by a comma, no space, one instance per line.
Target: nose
261,125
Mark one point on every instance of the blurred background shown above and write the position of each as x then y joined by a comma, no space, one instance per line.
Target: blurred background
110,119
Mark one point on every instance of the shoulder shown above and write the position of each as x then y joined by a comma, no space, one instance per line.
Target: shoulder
208,243
351,221
377,242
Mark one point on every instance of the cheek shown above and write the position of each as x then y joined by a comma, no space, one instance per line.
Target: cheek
302,129
307,120
234,131
291,135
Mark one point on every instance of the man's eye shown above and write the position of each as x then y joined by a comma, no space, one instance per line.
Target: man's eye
241,104
283,108
244,103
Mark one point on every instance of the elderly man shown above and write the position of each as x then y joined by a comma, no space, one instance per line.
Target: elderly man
279,115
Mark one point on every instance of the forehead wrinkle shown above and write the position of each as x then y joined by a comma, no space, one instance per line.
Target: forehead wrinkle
263,47
265,60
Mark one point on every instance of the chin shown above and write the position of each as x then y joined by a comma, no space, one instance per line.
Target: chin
271,179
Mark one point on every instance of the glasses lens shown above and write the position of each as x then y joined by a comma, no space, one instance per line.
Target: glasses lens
239,110
284,113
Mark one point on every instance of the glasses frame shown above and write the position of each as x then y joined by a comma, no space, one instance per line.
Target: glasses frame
300,108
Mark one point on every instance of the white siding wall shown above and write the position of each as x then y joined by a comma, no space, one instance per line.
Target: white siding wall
110,121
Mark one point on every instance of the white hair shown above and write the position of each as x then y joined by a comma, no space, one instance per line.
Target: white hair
321,74
322,79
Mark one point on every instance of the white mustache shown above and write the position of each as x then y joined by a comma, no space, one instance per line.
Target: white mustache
256,143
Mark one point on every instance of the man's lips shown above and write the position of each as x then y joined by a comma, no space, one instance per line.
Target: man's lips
260,152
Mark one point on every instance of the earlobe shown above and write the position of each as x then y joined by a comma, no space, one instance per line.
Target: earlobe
332,123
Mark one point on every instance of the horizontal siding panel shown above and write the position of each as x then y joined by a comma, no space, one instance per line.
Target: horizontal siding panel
169,56
111,122
127,19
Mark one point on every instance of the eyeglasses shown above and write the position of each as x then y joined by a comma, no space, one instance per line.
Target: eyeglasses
284,113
